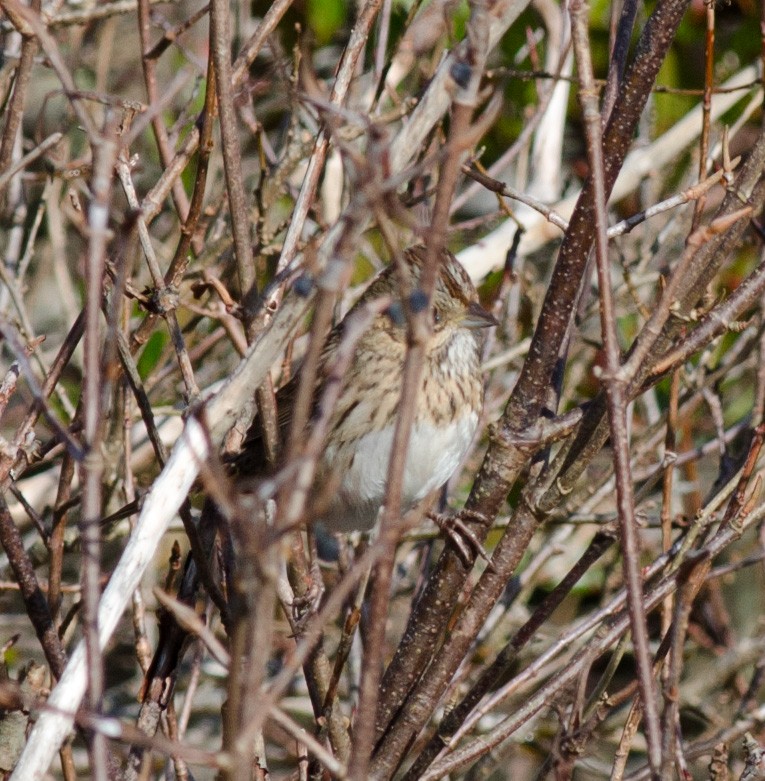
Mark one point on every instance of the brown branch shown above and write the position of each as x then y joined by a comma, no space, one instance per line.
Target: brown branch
706,111
94,395
346,69
511,446
616,386
29,23
468,752
34,600
716,322
618,61
180,261
165,298
220,46
56,539
467,74
160,131
15,108
507,657
42,148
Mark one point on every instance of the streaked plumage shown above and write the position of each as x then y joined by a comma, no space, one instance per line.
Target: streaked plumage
357,452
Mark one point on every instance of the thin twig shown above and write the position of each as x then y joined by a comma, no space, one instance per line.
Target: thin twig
94,395
165,298
462,135
160,131
220,45
616,387
30,157
15,108
545,694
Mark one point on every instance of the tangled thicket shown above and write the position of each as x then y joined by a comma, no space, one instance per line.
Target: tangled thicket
189,194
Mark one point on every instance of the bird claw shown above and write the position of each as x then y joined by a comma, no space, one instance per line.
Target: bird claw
306,606
303,610
462,537
309,601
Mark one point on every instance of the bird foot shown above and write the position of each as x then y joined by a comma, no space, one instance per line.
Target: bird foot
462,537
305,606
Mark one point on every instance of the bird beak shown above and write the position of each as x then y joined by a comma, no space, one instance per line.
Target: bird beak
477,317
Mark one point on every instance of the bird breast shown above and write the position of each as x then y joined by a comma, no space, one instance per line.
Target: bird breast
433,454
357,459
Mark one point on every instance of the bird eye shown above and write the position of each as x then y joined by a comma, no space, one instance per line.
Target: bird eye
436,316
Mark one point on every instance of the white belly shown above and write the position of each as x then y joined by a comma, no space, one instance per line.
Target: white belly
433,455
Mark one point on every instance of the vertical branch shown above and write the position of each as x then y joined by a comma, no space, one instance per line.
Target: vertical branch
9,462
93,397
383,31
631,725
345,71
15,108
220,45
165,298
670,456
364,729
618,63
56,539
152,94
250,646
467,75
34,601
180,259
507,657
671,714
616,385
709,81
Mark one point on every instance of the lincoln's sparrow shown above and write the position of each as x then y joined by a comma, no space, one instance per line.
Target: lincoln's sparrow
357,452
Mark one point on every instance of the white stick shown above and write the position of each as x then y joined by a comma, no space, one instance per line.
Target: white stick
159,509
161,505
